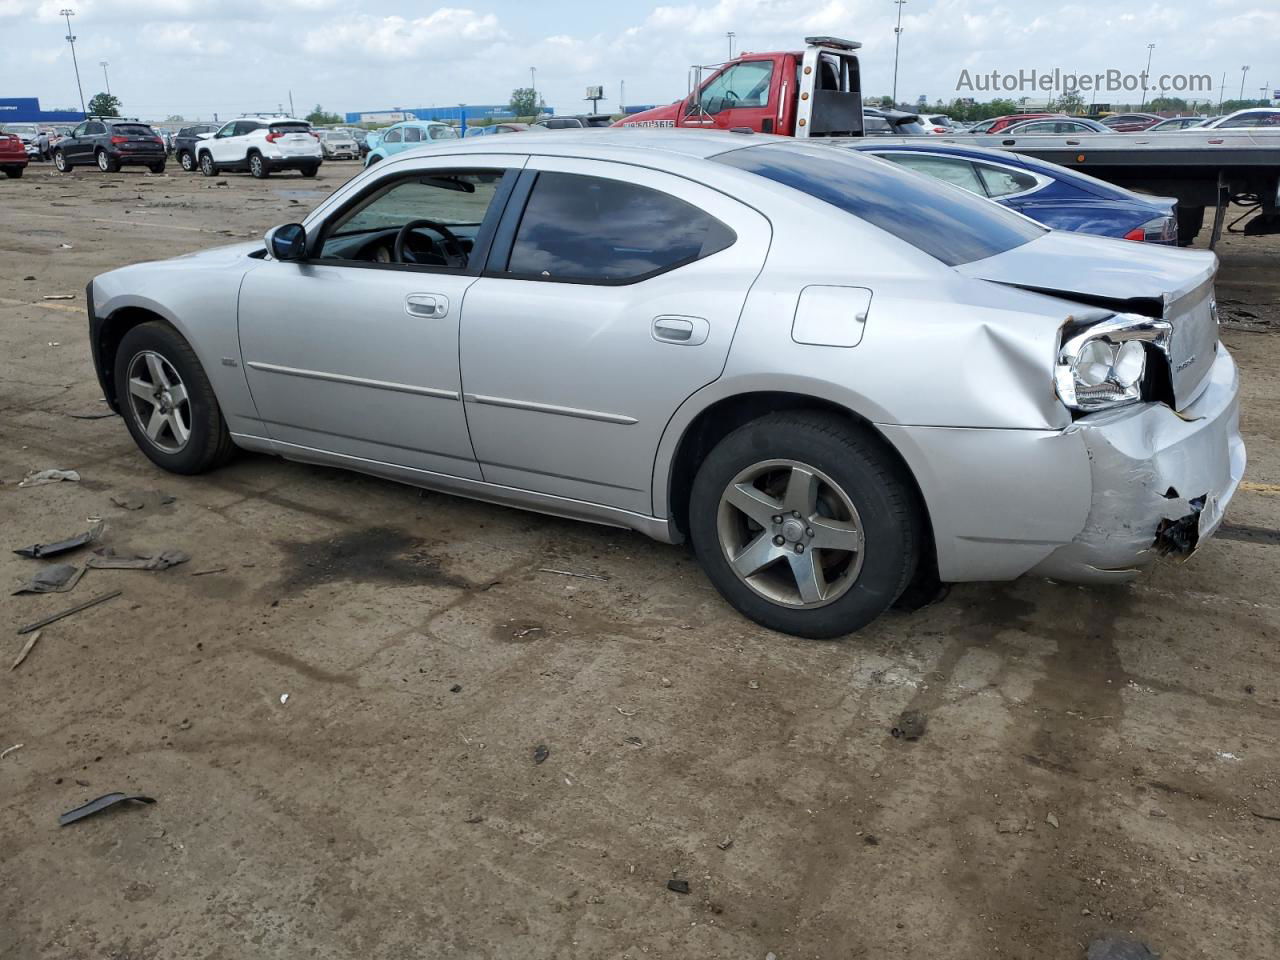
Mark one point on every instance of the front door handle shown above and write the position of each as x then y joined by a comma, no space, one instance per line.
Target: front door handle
431,305
689,331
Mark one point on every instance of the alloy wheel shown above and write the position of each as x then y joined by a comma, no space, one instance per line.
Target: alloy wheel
60,161
790,533
104,163
187,163
159,402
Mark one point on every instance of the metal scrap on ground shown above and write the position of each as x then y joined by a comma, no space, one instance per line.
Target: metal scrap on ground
98,804
570,573
26,649
108,559
52,618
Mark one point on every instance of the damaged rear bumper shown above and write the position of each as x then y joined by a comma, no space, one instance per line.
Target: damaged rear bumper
1161,481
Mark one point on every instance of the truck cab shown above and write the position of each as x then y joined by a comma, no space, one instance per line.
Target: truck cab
816,92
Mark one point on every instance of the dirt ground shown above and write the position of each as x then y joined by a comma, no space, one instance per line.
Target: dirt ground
1097,761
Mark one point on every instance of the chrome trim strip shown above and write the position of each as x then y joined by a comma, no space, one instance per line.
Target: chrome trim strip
550,408
354,381
657,528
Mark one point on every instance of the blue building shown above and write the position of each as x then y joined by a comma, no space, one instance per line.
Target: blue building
476,111
27,110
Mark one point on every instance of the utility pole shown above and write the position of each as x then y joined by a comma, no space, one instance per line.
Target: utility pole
1222,90
65,12
291,111
1262,93
533,87
730,35
105,78
622,96
897,42
1147,76
1244,72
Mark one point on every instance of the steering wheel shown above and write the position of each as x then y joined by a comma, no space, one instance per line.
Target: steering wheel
454,255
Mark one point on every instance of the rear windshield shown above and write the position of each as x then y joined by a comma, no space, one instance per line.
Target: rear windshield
132,130
290,128
953,226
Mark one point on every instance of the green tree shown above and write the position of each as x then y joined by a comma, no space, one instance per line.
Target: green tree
525,102
1070,103
1176,104
320,118
175,118
105,105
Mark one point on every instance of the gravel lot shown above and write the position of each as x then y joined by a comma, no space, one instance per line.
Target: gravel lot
1097,761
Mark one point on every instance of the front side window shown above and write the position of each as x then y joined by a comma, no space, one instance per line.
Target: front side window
80,130
954,171
742,85
428,219
949,225
594,230
412,135
228,130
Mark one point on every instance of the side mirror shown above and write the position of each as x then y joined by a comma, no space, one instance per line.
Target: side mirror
287,242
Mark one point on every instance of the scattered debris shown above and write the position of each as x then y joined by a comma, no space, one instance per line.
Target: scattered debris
1273,815
26,649
64,246
570,573
126,503
205,573
185,724
634,742
726,843
526,631
1009,825
753,684
108,559
52,618
284,698
59,296
1156,812
540,753
54,578
871,840
474,818
678,886
1114,948
38,478
97,805
95,415
625,713
1052,820
39,550
910,725
8,750
456,688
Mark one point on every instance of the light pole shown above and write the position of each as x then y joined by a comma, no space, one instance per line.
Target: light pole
64,12
1262,93
730,35
533,87
105,78
1244,72
897,42
1147,76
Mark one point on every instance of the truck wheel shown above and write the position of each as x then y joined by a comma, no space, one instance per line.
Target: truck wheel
805,524
60,162
106,163
167,401
1190,222
186,161
258,167
13,173
207,166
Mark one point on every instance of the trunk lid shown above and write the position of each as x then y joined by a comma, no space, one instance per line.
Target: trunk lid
1152,280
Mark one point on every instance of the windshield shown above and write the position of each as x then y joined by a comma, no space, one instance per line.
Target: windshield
951,225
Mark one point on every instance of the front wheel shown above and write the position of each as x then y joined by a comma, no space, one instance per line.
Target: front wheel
207,166
186,161
167,401
60,162
805,524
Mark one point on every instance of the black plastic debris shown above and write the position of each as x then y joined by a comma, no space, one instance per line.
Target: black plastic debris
910,725
108,559
678,886
97,805
54,578
1180,537
540,753
38,550
1116,948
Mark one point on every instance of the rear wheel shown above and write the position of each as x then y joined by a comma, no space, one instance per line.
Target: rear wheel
60,162
310,171
167,401
805,524
106,163
258,167
157,167
1190,222
13,173
207,166
186,161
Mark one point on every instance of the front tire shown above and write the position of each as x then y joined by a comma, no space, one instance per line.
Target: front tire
61,162
207,166
186,161
106,163
258,167
805,524
167,401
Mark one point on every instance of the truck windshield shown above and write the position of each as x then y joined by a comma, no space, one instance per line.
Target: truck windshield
948,224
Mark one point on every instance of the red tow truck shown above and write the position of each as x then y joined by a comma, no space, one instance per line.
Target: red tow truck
814,92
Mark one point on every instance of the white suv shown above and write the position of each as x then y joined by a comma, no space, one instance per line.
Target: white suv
261,145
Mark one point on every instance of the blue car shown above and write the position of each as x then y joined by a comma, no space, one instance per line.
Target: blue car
406,136
1055,196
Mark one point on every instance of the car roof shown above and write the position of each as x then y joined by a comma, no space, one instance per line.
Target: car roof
614,141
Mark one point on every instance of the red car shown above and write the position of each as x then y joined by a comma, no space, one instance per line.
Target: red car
13,155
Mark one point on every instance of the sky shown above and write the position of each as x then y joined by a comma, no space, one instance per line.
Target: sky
195,57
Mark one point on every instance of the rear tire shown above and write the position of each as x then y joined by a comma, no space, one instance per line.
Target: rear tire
258,168
207,166
61,162
13,173
858,500
186,161
107,163
208,442
310,171
156,167
1190,223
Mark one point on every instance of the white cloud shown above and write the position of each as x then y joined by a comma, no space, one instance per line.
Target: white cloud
396,38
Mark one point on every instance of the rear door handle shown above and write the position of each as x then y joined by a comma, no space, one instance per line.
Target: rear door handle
426,305
689,331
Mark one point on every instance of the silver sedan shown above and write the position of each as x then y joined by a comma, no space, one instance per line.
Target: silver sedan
842,381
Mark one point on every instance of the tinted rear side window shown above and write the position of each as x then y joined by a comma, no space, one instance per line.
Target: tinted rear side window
951,225
595,230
